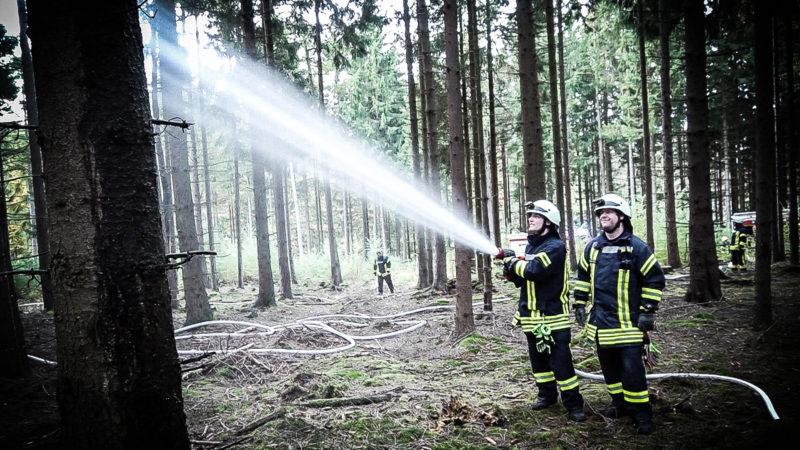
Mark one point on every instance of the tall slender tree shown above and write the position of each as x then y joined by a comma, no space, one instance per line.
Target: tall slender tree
765,162
266,287
704,273
422,266
464,316
665,25
39,196
532,146
174,82
570,228
13,356
494,210
794,247
440,251
646,149
336,271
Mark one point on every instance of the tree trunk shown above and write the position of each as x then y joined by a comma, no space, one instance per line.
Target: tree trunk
704,272
665,28
554,116
494,209
648,174
173,84
298,223
237,215
165,184
794,247
778,244
119,380
278,170
419,231
440,266
197,199
567,207
39,196
765,163
266,288
209,214
532,146
13,356
464,322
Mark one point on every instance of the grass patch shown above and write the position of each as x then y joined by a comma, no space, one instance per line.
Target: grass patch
473,343
377,432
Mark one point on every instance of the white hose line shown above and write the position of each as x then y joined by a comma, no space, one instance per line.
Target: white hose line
656,376
46,362
225,322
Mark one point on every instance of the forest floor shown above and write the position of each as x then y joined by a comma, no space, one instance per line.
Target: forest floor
425,390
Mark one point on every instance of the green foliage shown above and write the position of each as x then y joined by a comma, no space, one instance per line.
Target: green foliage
10,69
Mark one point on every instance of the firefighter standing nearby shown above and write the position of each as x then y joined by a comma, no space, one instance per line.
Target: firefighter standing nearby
382,269
543,309
619,275
737,247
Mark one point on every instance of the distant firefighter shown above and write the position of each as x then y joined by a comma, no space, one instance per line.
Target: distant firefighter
737,247
382,269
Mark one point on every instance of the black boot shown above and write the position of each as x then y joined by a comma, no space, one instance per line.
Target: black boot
577,415
644,426
618,408
542,403
643,418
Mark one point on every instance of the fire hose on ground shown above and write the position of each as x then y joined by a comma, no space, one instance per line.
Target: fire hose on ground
410,325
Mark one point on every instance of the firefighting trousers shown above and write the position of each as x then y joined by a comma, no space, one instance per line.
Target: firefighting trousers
388,279
623,370
737,259
555,370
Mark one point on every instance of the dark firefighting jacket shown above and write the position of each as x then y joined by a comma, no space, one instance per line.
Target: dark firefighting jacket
621,278
542,277
738,241
382,266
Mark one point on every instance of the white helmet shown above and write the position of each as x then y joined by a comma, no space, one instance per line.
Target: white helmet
545,209
612,201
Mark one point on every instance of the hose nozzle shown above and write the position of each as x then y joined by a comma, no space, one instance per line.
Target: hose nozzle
504,253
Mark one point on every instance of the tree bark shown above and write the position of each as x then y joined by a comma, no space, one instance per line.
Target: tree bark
464,322
570,225
646,149
704,273
794,247
440,260
173,84
165,183
765,163
13,356
532,146
419,230
558,163
39,195
336,273
266,289
665,28
494,188
119,380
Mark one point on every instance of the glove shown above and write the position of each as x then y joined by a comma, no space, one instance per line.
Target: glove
647,321
580,315
508,269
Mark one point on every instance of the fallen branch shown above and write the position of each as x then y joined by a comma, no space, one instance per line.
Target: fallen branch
352,401
258,423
